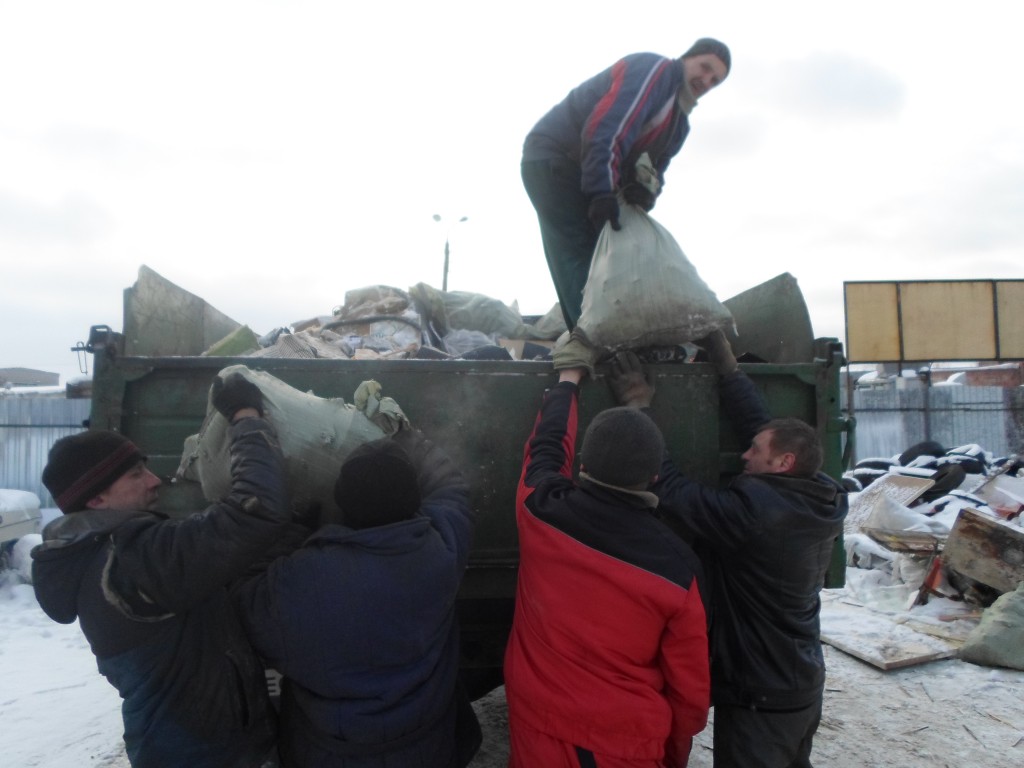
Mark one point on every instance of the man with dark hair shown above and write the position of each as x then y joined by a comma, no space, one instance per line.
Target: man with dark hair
361,620
607,663
766,541
151,593
584,152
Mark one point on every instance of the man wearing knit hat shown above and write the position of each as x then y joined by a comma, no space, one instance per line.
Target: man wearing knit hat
766,541
584,152
361,620
151,593
607,662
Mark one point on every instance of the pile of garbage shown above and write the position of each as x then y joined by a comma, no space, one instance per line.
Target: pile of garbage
947,480
943,526
384,322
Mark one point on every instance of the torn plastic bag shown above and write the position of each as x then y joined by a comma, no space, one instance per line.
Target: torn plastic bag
642,291
316,434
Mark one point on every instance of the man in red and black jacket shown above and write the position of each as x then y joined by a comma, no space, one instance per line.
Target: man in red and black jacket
607,663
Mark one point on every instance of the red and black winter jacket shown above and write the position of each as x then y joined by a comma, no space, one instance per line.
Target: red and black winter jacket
608,649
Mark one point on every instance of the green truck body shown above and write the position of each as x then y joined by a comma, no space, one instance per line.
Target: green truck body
482,413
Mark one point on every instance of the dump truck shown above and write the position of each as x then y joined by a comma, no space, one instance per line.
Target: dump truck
481,411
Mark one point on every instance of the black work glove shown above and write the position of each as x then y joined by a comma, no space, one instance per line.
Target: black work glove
639,195
628,381
236,393
604,208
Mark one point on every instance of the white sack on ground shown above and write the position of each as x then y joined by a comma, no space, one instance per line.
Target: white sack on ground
642,291
315,433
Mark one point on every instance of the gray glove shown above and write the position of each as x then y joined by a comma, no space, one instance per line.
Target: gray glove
573,350
630,384
719,352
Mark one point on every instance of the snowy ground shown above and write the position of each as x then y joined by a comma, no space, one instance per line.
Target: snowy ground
58,712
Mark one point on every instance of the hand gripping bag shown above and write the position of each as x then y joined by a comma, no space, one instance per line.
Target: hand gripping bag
642,291
316,434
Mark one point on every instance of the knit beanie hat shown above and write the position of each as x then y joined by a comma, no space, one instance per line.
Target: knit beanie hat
710,45
81,466
622,447
377,485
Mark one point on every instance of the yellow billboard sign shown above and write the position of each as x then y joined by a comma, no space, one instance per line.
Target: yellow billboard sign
932,320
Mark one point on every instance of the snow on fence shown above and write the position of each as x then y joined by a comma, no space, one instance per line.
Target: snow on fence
892,418
28,427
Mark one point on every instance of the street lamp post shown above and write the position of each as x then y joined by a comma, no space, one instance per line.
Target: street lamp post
444,278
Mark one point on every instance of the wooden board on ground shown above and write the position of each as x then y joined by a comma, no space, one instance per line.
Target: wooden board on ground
878,640
900,488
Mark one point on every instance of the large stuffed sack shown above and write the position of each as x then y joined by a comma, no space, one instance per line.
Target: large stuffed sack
316,435
996,641
642,291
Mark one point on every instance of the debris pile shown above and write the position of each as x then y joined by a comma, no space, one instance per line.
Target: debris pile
933,539
384,322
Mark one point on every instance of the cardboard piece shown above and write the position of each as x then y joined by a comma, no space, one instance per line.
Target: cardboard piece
900,488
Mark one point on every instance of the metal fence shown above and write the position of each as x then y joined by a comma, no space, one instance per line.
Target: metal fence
892,418
28,427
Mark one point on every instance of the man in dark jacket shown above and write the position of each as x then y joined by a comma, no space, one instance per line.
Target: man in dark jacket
361,620
607,663
585,149
151,593
766,541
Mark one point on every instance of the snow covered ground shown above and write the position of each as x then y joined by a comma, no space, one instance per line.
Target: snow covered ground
56,710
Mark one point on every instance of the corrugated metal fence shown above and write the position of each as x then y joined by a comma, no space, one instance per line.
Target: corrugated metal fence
28,427
890,419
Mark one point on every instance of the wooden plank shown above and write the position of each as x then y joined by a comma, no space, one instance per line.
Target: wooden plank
1010,298
964,310
986,550
872,322
878,640
906,541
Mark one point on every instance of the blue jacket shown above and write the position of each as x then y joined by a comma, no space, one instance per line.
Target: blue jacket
151,595
362,625
607,122
766,541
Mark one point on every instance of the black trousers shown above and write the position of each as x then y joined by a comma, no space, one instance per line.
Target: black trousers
568,236
753,738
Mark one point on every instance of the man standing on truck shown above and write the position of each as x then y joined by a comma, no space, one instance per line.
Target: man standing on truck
151,593
766,541
607,662
361,619
585,149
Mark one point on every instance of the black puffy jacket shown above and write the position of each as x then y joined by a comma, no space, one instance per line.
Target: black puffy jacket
766,541
151,595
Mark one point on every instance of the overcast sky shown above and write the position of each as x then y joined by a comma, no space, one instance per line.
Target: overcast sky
268,156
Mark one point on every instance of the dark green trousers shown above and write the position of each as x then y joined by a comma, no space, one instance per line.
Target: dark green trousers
568,236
